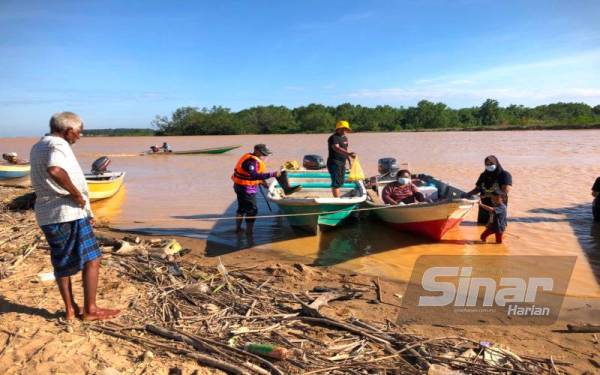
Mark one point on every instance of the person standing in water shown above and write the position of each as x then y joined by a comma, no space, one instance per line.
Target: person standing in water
338,155
498,222
493,178
596,203
248,174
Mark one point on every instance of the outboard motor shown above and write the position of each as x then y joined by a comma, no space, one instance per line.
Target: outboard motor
313,162
387,165
100,165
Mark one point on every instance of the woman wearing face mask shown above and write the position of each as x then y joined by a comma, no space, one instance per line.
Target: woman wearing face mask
493,178
402,191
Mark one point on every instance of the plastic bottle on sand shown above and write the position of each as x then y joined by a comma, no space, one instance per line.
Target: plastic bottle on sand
267,350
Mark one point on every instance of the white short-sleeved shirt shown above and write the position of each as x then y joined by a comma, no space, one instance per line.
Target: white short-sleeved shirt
54,204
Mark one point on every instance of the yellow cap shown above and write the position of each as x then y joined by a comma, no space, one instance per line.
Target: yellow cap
342,125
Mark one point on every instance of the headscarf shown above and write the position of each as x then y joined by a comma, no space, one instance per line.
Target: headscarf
489,178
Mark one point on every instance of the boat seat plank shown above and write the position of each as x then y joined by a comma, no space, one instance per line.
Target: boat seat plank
320,185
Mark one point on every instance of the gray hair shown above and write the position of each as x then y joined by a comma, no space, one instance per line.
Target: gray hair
62,121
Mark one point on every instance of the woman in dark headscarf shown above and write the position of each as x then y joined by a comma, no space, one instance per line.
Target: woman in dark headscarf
494,177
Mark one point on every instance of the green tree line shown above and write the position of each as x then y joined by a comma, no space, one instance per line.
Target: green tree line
318,118
118,132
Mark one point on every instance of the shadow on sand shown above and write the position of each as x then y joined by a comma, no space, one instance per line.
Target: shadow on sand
7,307
222,239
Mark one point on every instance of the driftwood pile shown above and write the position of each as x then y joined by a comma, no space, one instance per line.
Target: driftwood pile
19,233
211,313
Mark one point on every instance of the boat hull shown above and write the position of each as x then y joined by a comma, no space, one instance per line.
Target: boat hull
314,208
432,220
313,218
208,151
104,189
14,171
220,150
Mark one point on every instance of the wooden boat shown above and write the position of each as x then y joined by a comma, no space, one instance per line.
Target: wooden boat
314,205
445,210
14,170
214,150
105,185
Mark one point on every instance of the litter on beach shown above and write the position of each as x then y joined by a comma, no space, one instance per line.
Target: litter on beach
45,276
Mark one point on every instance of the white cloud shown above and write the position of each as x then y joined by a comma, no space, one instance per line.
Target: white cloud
461,82
425,81
573,77
587,59
459,96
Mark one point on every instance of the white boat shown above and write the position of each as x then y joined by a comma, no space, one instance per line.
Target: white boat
314,207
445,208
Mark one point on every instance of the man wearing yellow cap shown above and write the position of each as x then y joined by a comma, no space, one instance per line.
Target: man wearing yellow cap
338,154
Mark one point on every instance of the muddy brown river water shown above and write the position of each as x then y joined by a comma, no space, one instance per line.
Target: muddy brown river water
549,212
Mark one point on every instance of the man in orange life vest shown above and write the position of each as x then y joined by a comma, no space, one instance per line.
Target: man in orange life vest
248,174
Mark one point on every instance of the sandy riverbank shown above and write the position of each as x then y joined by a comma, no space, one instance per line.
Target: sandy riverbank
35,340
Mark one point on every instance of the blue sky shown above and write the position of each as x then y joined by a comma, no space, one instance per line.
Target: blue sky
120,63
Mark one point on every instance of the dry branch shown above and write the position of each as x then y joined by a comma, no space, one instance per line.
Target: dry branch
587,328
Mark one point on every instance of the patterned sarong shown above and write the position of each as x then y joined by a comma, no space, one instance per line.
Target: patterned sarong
72,245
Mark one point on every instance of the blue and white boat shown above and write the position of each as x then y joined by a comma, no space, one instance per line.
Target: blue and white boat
314,207
8,171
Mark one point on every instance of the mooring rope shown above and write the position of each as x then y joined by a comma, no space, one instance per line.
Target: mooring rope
219,218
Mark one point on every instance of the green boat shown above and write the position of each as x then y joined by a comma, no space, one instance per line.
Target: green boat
214,150
314,208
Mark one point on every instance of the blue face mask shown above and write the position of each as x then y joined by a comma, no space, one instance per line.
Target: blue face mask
490,168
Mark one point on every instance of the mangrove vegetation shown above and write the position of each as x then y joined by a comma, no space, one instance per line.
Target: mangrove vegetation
426,115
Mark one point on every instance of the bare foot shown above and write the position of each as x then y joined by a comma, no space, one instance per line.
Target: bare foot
72,314
101,314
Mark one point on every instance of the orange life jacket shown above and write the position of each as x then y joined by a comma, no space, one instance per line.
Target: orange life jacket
242,177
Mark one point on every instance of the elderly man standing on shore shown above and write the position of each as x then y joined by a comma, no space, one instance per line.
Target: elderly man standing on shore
63,212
